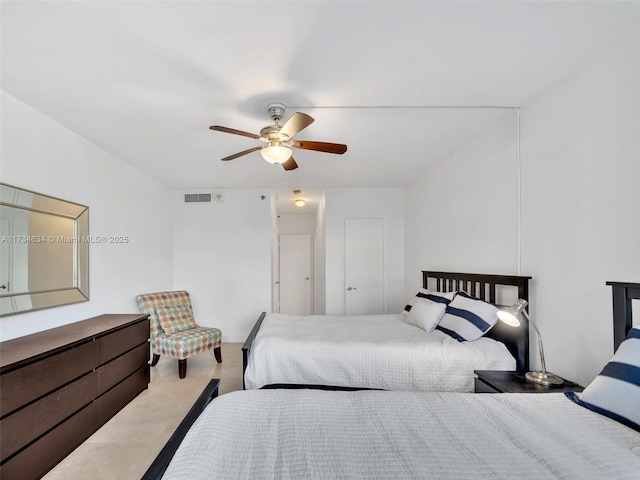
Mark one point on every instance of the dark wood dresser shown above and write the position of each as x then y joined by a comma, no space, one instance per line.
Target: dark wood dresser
57,387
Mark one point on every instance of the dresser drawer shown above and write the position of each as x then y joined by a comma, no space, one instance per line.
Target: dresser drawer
39,457
121,367
120,341
37,379
24,425
112,401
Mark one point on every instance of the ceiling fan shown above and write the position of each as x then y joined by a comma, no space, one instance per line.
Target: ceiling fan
279,139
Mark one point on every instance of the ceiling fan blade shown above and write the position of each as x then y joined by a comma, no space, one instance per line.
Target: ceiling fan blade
290,164
234,131
296,123
239,154
338,148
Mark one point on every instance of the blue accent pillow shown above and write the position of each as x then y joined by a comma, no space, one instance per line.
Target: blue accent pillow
438,297
615,392
467,318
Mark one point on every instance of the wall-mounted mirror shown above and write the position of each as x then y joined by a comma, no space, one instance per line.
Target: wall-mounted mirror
44,246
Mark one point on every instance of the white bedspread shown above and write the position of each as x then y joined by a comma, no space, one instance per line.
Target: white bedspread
315,434
372,351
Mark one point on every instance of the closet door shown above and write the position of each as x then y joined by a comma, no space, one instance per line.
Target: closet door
295,274
364,266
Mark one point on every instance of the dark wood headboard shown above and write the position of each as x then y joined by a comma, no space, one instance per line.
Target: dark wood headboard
484,286
622,293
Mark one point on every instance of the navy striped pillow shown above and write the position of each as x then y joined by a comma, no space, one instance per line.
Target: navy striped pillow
467,318
438,297
615,392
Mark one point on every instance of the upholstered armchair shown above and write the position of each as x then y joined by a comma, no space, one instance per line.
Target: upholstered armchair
174,331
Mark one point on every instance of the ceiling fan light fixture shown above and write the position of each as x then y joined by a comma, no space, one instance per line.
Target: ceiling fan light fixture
276,154
299,202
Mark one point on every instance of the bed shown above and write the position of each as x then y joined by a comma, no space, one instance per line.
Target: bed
385,351
311,433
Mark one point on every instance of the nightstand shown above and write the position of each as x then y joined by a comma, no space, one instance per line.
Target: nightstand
501,381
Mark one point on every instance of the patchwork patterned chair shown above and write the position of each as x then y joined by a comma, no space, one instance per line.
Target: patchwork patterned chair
174,331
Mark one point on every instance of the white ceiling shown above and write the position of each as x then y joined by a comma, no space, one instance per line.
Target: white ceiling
145,80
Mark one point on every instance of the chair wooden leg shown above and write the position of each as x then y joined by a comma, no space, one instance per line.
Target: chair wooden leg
218,353
154,360
182,368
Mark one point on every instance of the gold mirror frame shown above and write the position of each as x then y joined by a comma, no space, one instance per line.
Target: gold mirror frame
45,251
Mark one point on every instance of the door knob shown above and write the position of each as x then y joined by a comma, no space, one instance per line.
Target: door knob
351,288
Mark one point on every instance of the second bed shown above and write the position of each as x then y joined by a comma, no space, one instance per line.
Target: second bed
384,351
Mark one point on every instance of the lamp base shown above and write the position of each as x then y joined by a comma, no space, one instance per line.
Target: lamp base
543,378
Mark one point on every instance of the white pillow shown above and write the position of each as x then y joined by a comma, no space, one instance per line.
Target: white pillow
615,392
438,297
425,314
467,318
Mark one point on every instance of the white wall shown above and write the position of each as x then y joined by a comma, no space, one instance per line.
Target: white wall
343,203
222,256
462,216
40,155
296,224
581,204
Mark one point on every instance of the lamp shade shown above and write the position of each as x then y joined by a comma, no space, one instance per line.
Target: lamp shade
513,315
299,202
276,154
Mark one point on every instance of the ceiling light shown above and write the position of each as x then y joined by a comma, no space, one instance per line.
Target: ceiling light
299,202
276,154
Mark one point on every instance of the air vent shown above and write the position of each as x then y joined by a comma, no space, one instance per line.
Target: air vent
197,198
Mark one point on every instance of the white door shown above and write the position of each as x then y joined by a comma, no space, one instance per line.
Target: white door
364,266
295,274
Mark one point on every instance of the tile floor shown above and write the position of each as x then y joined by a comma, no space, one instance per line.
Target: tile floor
126,445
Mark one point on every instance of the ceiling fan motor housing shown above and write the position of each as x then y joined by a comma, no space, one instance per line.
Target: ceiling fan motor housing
276,110
271,133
